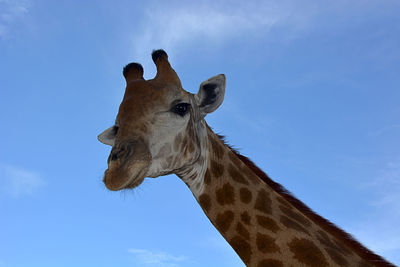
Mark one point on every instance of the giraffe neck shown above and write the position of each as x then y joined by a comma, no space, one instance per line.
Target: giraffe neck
261,225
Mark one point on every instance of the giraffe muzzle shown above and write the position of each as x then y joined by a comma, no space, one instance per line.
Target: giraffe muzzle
127,165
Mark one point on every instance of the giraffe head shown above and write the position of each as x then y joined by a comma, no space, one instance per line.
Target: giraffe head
156,129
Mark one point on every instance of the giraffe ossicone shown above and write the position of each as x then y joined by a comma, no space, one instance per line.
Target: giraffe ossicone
160,129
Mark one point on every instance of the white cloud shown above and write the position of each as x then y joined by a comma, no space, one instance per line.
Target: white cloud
150,258
18,182
174,25
10,12
171,26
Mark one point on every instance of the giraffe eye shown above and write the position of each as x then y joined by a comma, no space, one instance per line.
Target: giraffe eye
181,109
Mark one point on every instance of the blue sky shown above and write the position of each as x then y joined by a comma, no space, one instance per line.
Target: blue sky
313,93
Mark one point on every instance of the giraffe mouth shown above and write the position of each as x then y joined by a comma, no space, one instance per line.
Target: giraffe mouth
118,178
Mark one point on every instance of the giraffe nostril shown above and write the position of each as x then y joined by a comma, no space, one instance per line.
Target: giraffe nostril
114,156
122,151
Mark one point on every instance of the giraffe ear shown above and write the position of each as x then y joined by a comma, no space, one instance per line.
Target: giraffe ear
107,137
211,94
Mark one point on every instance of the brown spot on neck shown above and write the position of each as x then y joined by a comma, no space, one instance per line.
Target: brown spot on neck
224,221
241,230
245,195
236,175
266,244
263,202
205,202
289,223
307,252
268,223
225,195
235,159
295,216
217,148
245,217
242,248
217,169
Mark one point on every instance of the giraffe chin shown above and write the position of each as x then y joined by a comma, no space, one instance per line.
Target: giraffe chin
116,179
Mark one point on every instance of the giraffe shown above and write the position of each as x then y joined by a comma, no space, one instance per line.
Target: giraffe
160,129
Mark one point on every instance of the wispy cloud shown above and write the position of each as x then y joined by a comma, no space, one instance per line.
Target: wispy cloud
150,258
172,26
19,182
384,130
10,12
388,185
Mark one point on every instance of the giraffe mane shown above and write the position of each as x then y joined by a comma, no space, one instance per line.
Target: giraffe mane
328,226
